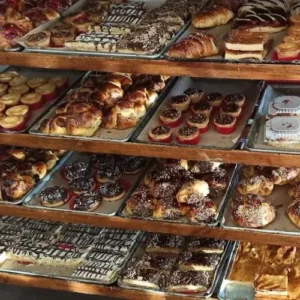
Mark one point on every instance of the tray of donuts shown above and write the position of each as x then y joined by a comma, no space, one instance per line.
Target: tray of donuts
24,169
264,199
88,183
105,106
181,191
27,93
173,265
205,113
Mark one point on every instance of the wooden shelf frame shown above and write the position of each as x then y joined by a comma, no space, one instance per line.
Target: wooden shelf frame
237,70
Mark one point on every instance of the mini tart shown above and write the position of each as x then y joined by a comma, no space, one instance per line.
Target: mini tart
3,89
215,99
161,134
19,89
195,94
33,100
188,135
180,102
54,196
2,107
82,185
10,99
40,39
8,76
112,191
13,123
232,109
170,117
225,124
201,121
18,110
87,202
203,107
18,81
33,83
236,98
60,82
47,90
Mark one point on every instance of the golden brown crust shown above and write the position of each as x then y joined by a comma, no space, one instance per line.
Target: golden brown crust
258,185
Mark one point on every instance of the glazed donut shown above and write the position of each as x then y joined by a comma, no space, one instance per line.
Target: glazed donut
192,192
82,185
87,202
252,211
74,170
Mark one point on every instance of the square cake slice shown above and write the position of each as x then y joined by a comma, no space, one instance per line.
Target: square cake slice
272,286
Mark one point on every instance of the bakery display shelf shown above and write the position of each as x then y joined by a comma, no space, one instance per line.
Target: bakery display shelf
284,71
152,226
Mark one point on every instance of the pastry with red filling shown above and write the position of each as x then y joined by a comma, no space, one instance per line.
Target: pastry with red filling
195,94
47,90
161,134
203,107
224,124
170,117
215,99
188,135
54,196
180,102
201,121
236,98
232,109
33,100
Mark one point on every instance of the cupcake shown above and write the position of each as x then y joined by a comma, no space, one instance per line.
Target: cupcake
195,94
236,98
161,134
180,102
202,107
170,117
231,110
225,124
201,121
215,99
188,135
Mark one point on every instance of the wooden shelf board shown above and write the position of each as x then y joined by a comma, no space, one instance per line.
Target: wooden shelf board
162,151
266,71
85,288
151,226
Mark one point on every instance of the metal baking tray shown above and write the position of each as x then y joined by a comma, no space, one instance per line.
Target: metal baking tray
105,208
220,202
73,77
140,251
211,138
220,33
234,290
279,198
61,161
255,140
102,134
150,4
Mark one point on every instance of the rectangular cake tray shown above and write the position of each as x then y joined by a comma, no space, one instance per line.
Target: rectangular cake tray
255,141
105,209
35,115
220,202
140,251
103,134
210,139
279,198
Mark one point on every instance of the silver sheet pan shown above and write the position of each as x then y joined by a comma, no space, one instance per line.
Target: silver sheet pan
103,134
220,201
105,208
216,275
255,140
73,77
211,138
279,198
150,4
62,160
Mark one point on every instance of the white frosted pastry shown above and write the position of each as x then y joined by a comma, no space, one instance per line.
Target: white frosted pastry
285,106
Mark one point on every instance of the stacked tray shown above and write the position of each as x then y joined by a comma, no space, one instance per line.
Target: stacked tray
73,251
105,207
256,137
118,135
210,139
162,255
35,115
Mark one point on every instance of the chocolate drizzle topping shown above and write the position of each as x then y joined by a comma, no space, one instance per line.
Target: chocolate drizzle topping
111,189
200,118
193,92
54,194
233,98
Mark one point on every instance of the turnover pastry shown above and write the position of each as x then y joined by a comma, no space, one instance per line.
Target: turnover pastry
204,211
258,185
192,192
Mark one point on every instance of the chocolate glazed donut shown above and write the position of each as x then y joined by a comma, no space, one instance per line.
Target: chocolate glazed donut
112,191
54,196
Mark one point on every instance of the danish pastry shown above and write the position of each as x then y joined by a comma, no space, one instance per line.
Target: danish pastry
202,212
258,185
282,176
192,191
294,192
